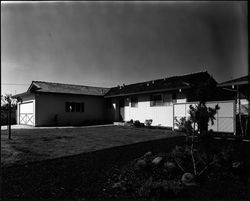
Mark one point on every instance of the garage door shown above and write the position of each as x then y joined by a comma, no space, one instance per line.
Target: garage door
26,113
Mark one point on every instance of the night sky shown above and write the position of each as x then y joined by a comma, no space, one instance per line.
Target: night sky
110,43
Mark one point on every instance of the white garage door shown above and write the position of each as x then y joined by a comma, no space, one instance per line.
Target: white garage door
26,113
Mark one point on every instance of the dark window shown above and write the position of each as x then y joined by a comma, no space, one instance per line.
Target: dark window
174,96
78,107
167,99
74,107
156,100
67,107
122,103
82,107
134,101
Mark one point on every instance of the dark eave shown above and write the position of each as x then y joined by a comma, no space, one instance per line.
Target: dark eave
238,81
22,94
146,92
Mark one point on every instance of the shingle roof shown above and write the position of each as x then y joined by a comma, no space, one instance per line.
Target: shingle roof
39,86
240,80
165,84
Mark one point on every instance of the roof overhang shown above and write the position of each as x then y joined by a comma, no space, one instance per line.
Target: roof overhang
21,94
33,86
244,82
146,92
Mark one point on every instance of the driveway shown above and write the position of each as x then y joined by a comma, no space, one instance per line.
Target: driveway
33,144
32,127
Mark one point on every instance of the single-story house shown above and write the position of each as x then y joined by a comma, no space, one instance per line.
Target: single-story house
162,100
167,99
50,104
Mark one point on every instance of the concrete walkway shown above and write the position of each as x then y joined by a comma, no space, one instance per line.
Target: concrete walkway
50,127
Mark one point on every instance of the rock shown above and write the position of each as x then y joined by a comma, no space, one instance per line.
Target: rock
157,160
172,186
170,165
141,163
236,164
117,185
188,179
148,154
124,188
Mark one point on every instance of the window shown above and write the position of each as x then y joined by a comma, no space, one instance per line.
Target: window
134,101
156,100
74,107
167,99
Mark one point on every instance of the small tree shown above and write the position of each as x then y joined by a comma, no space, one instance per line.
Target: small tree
9,103
197,126
200,115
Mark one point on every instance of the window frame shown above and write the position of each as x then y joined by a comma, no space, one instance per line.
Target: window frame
154,102
134,101
75,107
166,101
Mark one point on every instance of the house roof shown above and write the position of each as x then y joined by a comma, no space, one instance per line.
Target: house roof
160,85
153,86
238,81
49,87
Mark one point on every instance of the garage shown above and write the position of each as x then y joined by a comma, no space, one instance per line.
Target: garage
26,113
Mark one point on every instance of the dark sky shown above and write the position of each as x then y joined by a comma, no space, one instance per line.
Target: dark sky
110,43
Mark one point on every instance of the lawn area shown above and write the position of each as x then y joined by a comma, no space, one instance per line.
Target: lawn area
28,145
79,176
83,163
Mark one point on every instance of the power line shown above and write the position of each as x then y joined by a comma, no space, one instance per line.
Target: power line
13,84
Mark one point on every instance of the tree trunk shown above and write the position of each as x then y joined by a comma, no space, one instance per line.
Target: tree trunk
9,121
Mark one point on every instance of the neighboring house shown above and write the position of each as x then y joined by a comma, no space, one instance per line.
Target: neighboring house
161,100
50,104
241,94
241,89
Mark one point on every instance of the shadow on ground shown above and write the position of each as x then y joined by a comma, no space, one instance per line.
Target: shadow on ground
74,177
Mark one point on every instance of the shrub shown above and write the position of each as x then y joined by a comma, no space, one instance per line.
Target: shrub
137,123
148,122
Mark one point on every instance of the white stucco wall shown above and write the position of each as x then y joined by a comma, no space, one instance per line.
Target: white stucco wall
161,115
49,105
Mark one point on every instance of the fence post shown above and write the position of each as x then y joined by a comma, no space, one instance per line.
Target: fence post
9,121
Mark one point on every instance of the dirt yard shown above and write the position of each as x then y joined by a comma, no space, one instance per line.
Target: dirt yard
28,145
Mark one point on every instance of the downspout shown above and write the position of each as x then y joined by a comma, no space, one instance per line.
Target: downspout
239,103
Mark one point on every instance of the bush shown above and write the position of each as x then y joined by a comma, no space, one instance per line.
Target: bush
137,124
148,122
